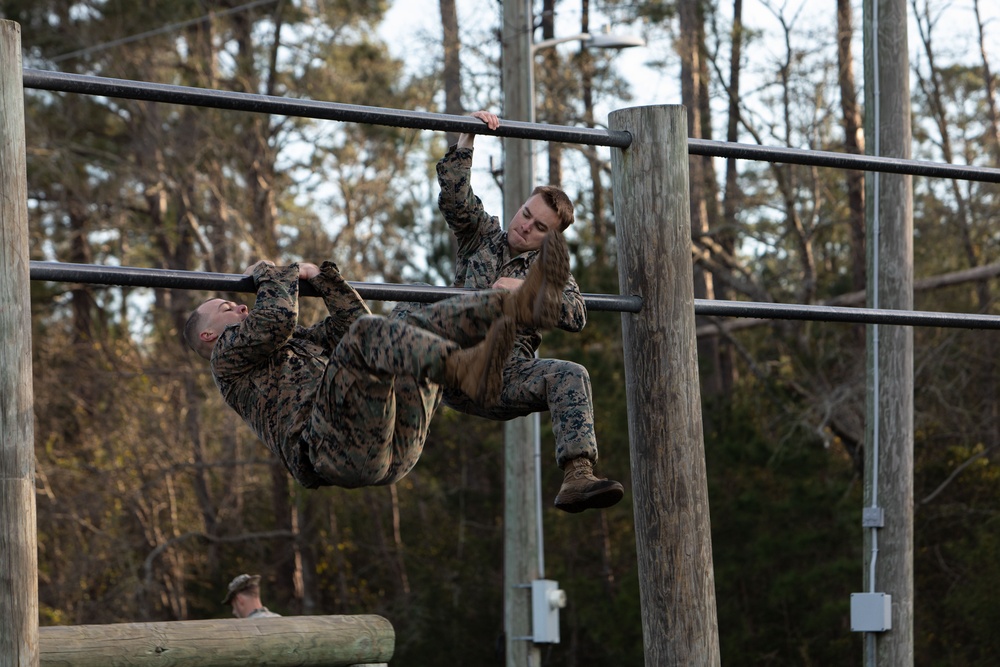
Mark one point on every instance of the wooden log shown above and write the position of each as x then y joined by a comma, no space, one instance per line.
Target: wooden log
302,641
669,483
18,541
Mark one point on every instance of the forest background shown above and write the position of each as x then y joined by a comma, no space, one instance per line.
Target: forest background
152,494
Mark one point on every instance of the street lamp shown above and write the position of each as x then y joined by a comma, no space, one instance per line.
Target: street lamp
602,40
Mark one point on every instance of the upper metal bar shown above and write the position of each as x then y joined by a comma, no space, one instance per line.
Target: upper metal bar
842,160
228,282
286,106
220,99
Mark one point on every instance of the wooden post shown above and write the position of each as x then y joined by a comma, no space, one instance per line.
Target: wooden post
888,551
18,546
520,524
669,485
287,641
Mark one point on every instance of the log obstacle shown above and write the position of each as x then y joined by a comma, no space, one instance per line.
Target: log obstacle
286,641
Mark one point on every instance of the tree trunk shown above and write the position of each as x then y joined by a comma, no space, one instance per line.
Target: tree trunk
732,199
989,85
259,169
305,537
284,557
691,49
452,64
593,159
854,141
553,103
397,539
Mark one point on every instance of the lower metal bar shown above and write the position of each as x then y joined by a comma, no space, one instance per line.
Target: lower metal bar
227,282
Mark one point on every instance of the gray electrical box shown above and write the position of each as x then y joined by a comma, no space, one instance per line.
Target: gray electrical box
871,612
546,601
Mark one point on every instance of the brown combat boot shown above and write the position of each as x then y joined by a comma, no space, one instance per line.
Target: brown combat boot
582,491
537,302
478,370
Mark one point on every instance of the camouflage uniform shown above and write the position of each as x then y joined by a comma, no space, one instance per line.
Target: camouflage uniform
346,402
530,384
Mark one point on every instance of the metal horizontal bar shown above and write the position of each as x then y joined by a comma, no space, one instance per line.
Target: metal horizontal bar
286,106
229,282
842,160
94,274
236,101
783,311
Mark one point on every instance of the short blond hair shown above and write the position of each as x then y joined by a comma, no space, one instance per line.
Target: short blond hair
192,332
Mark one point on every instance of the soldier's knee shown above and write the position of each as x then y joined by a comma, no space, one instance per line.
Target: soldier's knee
576,370
366,324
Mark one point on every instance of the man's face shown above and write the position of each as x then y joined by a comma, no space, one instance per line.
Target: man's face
530,224
219,314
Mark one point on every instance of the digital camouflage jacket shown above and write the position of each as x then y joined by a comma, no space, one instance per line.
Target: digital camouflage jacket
268,367
483,253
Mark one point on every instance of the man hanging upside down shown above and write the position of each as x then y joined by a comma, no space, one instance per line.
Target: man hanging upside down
348,401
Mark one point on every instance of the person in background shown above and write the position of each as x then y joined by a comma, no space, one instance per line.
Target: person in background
244,596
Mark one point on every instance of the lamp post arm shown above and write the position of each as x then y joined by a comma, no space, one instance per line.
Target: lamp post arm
546,43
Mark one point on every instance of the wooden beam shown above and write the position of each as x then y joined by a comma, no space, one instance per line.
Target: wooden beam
302,641
889,430
18,541
669,482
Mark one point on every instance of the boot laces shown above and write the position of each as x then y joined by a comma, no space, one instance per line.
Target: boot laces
583,469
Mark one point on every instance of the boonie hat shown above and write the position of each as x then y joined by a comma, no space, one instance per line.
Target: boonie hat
240,584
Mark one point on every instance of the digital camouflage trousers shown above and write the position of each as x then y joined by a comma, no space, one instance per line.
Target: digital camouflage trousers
373,409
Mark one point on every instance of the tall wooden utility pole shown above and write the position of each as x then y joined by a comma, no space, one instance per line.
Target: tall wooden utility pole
888,515
667,445
521,525
18,541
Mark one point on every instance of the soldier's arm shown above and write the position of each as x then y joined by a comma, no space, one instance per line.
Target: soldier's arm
466,139
342,301
268,326
573,311
462,210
